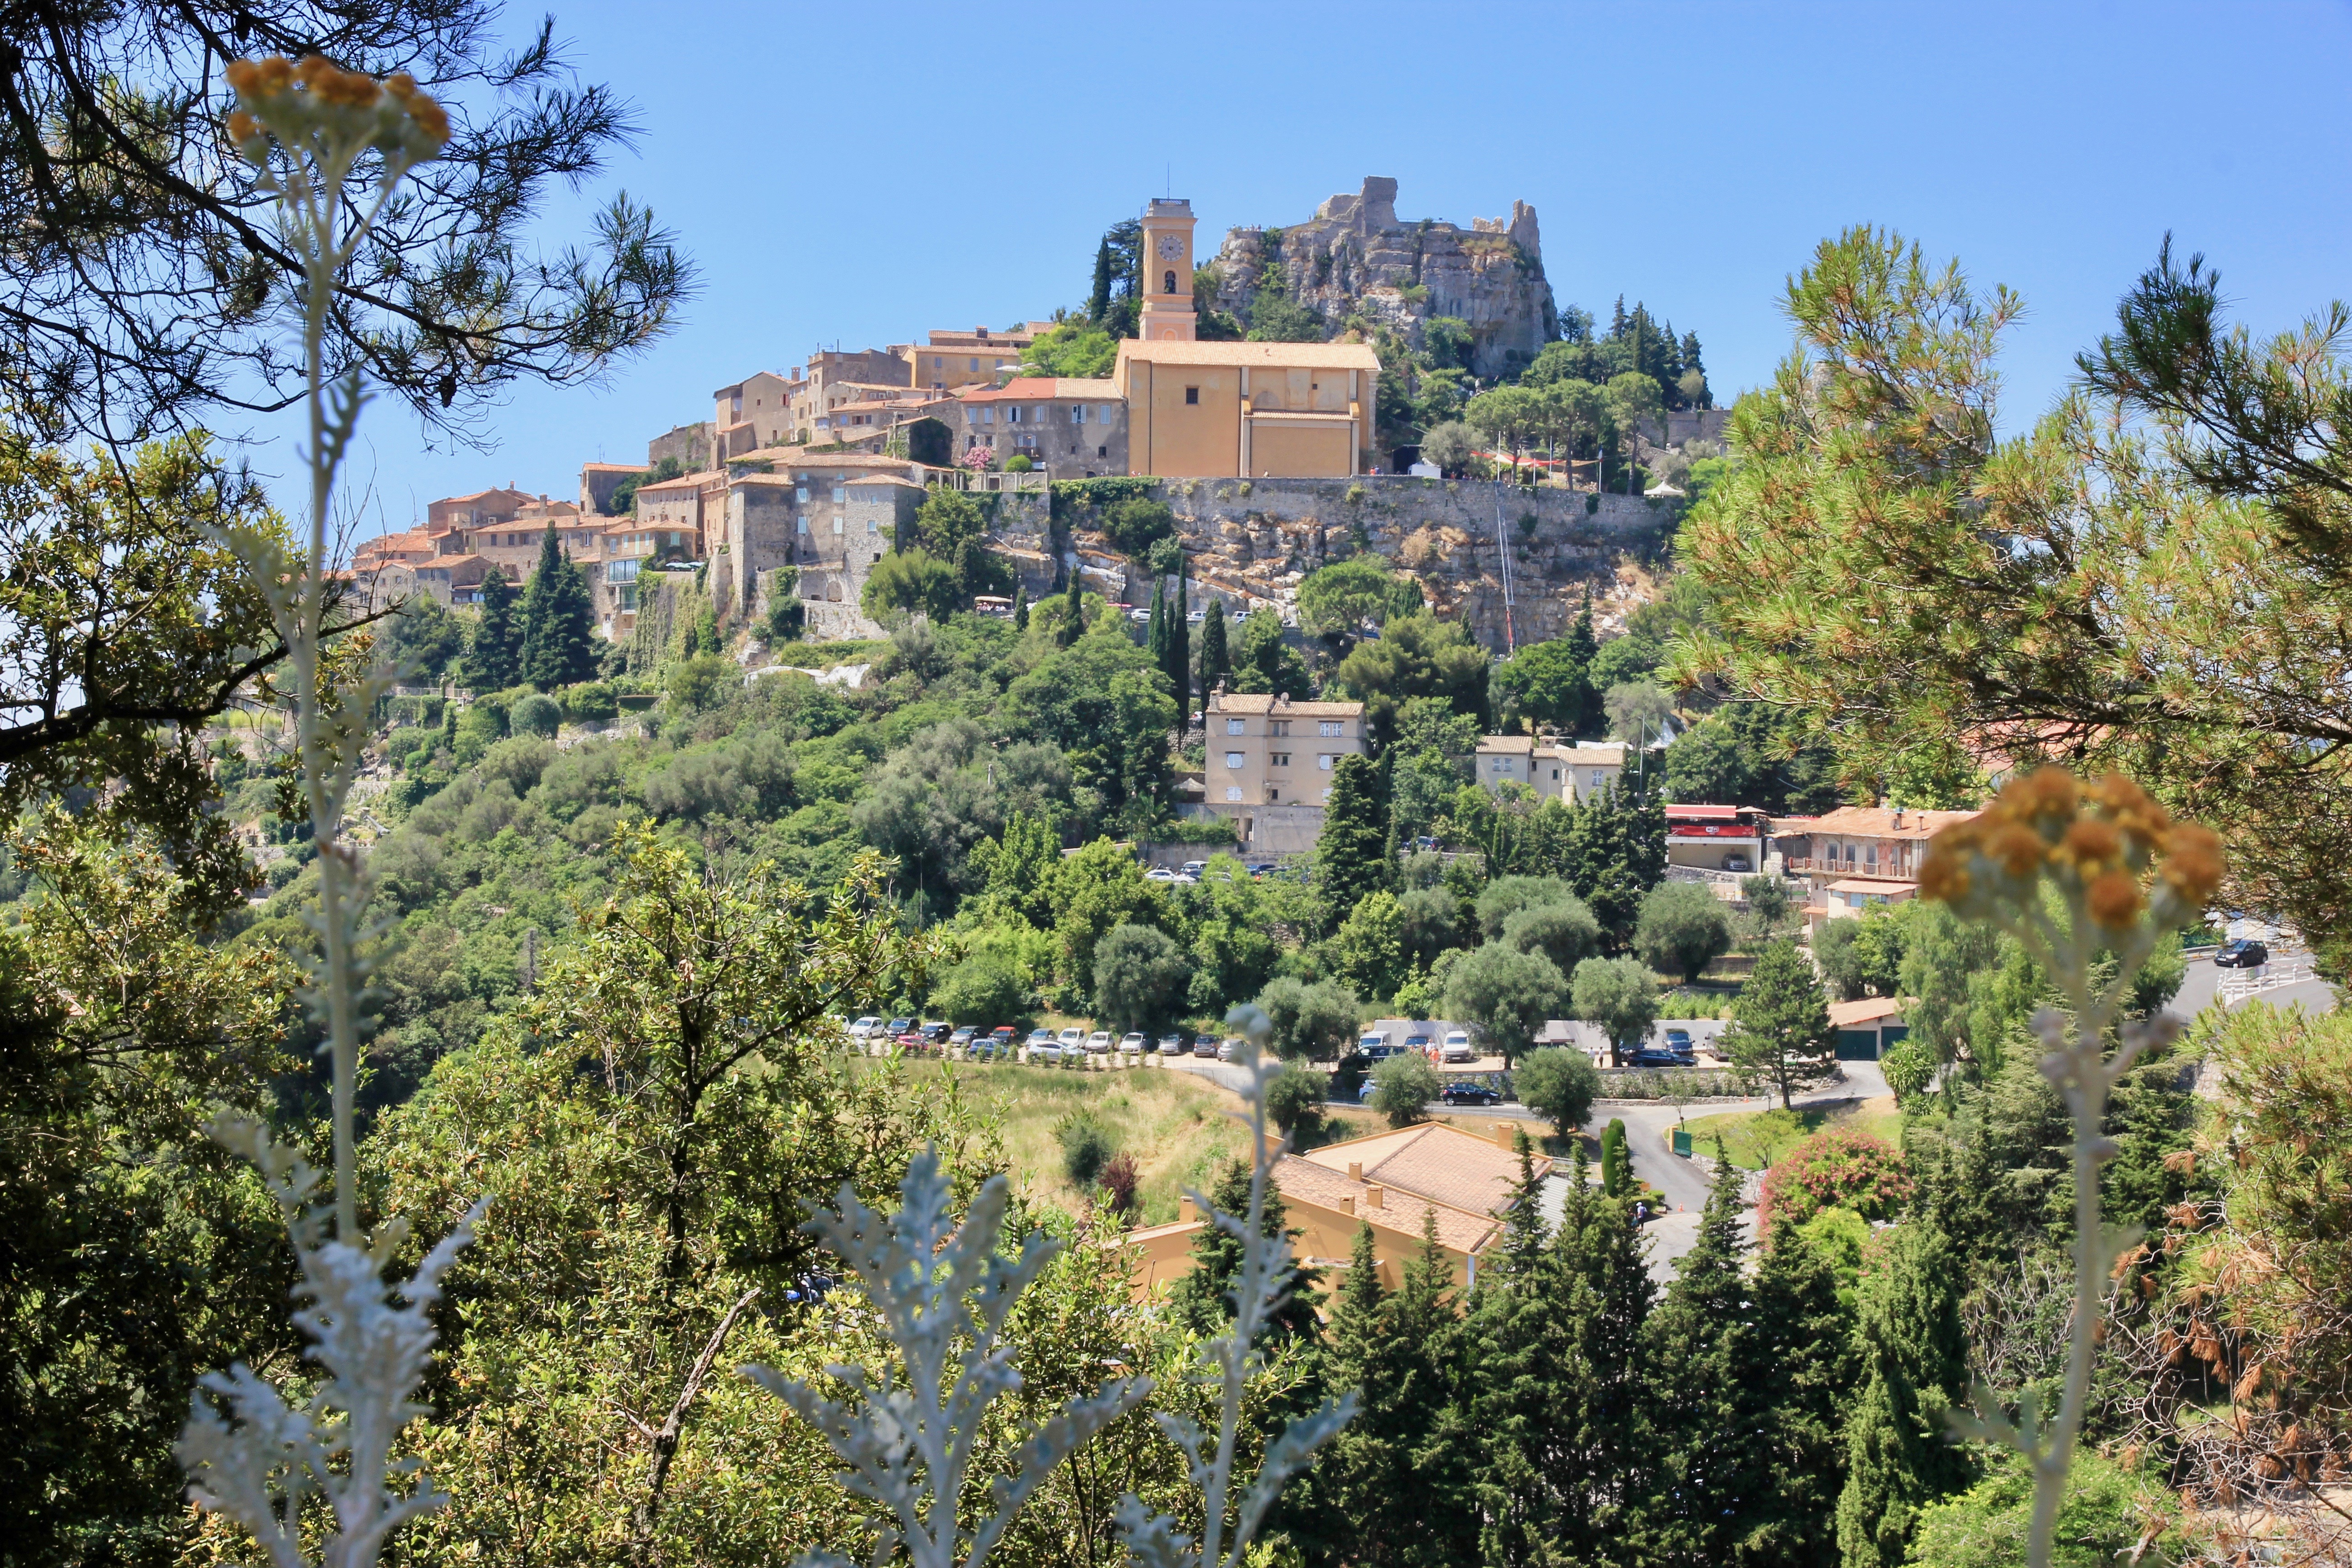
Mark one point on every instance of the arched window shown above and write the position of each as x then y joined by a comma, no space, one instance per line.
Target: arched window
1168,283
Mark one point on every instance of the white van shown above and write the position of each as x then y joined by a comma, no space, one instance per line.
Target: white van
1457,1048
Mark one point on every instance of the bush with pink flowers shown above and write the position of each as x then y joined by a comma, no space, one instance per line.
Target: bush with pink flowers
1837,1167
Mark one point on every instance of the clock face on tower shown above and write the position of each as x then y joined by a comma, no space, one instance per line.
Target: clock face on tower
1171,246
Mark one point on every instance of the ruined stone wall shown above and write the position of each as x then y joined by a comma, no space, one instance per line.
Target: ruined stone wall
1251,540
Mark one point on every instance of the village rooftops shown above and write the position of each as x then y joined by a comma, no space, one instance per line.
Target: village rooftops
1041,389
616,467
683,483
1274,356
1880,822
1442,1164
802,457
1400,1211
1246,702
1869,1010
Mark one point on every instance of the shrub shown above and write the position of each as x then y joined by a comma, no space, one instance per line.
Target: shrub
979,991
1560,1084
1019,463
1616,1164
1837,1167
1684,927
1140,978
1136,524
1316,1020
1294,1099
591,702
1402,1087
1119,1180
537,715
1086,1151
1909,1069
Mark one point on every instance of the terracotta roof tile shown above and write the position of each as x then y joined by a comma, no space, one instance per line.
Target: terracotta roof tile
1302,1181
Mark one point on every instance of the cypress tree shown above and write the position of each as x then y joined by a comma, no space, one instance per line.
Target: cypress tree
1353,854
1216,658
494,655
558,620
1155,641
1098,297
1702,1404
1523,1388
1201,1298
1809,1365
1021,607
1611,1445
1898,1456
1613,1162
1180,649
1074,619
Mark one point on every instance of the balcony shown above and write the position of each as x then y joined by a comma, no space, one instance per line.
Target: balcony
1884,870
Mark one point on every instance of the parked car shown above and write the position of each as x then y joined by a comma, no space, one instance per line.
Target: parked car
1417,1044
1653,1057
987,1048
1206,1045
1736,863
937,1030
1230,1048
1170,1045
1002,1034
1678,1041
911,1040
1045,1046
1263,868
1132,1045
865,1029
1470,1094
1458,1047
1159,874
2240,952
963,1037
1099,1042
1367,1043
1072,1039
897,1027
1379,1053
1192,868
1038,1038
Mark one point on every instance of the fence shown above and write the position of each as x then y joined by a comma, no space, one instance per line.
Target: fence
2291,970
1031,483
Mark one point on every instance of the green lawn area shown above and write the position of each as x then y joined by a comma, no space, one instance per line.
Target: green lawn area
1754,1139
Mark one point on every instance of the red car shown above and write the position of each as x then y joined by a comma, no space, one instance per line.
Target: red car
912,1040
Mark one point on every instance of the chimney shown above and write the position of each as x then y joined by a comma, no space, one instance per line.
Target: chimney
1376,1198
1355,1170
1899,816
1185,1211
1506,1137
1351,1202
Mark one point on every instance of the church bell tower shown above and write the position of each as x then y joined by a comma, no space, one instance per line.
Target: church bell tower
1167,265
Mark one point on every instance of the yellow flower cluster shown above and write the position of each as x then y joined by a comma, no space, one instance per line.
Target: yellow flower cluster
2098,841
278,97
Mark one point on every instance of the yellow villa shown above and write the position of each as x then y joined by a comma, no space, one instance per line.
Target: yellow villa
1219,410
1394,1182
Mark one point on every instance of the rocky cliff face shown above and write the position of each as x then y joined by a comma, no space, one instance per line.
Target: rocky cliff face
1354,257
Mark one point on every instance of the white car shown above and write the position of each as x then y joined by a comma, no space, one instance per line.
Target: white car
1041,1044
1072,1039
1133,1044
1457,1048
1099,1042
1192,868
1230,1047
1159,874
864,1028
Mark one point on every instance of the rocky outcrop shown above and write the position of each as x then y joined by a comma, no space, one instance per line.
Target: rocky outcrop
1252,542
1354,257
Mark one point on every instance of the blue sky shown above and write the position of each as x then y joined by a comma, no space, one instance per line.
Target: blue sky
860,174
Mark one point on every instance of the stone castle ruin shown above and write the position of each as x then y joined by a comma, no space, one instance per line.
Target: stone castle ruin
1355,257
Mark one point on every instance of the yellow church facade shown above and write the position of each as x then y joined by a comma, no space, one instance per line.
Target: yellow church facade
1220,410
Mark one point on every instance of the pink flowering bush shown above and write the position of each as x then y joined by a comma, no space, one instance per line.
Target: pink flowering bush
979,460
1837,1167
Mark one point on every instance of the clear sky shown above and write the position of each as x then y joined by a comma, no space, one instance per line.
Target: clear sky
857,174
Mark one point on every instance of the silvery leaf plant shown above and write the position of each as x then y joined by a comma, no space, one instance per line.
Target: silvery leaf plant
332,146
942,1293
